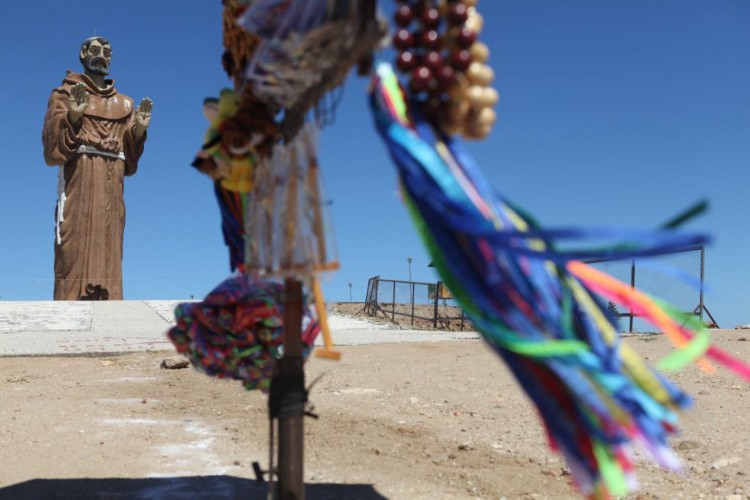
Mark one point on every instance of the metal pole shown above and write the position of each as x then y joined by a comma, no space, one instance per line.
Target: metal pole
412,302
435,311
291,379
393,303
632,285
713,321
411,284
350,292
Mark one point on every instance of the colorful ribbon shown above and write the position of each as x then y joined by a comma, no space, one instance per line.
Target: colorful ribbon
535,304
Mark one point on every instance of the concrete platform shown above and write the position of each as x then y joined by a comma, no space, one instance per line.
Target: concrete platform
47,328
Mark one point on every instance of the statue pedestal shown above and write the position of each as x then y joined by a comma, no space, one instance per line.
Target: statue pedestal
46,328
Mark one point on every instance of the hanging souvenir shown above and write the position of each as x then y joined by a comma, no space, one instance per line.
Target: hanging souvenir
539,308
445,65
236,331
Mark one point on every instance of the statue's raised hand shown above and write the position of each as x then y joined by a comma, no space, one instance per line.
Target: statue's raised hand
143,116
78,102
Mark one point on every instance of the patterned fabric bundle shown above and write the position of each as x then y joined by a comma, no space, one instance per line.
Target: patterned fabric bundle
535,305
236,331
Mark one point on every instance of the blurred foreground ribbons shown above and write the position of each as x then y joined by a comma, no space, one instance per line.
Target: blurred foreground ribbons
535,304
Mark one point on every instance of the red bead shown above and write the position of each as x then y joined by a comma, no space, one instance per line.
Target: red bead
420,79
434,61
430,39
461,60
458,13
404,16
465,37
406,61
431,18
403,39
446,76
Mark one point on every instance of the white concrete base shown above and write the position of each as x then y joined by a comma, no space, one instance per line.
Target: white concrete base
78,328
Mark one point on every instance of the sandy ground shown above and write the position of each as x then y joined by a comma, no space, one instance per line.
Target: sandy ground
400,421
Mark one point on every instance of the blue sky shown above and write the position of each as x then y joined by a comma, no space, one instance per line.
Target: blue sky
612,113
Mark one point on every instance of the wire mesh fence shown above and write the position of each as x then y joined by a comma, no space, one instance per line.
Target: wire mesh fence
675,278
419,304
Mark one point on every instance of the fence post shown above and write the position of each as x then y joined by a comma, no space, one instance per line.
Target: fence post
435,309
377,294
411,285
393,303
632,285
700,304
368,295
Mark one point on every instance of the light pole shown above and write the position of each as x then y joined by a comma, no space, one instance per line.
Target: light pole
350,292
409,259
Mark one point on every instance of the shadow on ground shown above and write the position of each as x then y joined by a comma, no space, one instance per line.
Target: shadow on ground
171,488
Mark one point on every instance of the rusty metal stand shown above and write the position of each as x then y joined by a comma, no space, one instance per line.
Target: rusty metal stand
288,397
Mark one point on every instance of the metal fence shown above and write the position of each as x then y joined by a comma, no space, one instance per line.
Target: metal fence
666,277
424,305
663,277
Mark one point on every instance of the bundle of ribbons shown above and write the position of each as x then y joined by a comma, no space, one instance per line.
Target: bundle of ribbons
536,305
236,331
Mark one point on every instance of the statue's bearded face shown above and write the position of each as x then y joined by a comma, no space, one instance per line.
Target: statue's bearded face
96,58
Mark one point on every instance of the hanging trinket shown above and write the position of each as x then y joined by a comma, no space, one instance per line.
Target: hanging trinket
445,65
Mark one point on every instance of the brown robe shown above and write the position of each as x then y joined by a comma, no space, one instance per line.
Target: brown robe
88,250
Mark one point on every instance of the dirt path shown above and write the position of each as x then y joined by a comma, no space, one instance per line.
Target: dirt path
401,421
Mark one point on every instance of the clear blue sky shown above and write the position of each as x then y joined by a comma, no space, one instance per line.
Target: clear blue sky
612,113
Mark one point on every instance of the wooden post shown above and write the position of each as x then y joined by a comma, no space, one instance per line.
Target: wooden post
290,397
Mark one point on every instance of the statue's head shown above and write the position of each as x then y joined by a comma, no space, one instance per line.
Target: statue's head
96,54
